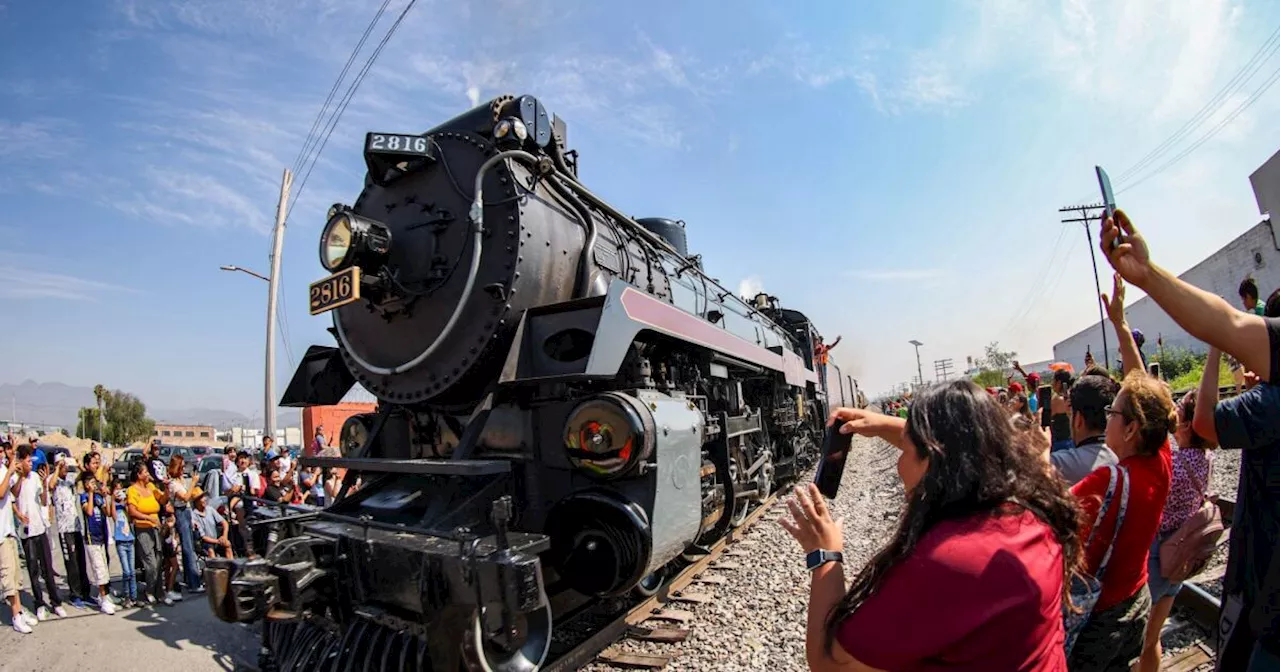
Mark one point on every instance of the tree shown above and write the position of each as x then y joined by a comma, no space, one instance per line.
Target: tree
996,359
99,393
125,417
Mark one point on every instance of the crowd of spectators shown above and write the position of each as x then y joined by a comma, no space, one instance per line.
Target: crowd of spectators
1058,542
161,522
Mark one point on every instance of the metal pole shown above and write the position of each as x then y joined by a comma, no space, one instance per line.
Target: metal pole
1102,317
269,397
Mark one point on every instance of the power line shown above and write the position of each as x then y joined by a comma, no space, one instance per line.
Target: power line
346,100
1248,102
309,142
1243,75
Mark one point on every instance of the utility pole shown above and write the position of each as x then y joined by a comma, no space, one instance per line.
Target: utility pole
919,369
269,407
1086,217
942,370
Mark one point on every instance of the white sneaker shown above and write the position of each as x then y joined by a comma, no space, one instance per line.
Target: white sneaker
42,613
28,618
60,612
108,608
20,625
168,602
174,597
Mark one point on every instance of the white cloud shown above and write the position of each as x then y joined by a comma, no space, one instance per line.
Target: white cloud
31,277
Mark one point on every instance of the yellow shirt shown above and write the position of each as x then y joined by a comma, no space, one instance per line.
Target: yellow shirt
145,502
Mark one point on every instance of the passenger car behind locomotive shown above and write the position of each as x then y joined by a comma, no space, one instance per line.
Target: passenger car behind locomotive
569,408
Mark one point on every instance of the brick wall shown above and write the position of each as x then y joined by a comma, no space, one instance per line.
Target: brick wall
331,417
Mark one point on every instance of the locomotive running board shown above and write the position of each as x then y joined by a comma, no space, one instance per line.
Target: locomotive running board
589,339
417,466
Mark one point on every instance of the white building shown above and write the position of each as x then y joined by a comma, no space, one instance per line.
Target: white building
1254,253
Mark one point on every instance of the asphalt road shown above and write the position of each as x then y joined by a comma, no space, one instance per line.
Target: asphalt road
184,637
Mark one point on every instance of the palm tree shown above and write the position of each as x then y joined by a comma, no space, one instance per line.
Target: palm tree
100,393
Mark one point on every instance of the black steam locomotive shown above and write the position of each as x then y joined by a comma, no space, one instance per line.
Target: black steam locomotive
569,409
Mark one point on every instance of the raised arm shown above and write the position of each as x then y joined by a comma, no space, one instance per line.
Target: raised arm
1205,316
1130,359
867,423
1202,421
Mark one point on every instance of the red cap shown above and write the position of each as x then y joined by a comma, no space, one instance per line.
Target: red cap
1015,388
1033,379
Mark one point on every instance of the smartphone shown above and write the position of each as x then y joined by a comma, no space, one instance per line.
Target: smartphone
835,450
1108,197
1044,397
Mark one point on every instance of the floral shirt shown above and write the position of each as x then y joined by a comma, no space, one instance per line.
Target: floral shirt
65,512
1191,470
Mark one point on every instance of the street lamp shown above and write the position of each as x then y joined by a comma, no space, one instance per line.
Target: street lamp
270,385
245,270
919,369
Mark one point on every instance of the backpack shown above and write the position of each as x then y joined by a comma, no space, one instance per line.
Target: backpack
1185,553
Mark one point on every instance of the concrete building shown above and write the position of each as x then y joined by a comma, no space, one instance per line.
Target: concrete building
185,435
1255,253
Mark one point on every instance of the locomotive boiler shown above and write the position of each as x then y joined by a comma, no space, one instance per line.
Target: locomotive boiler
569,409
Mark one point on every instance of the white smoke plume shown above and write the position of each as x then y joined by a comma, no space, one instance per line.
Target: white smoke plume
473,95
750,286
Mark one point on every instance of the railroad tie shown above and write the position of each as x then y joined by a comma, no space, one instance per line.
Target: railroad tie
727,565
677,615
713,579
634,660
667,635
737,552
698,598
1187,661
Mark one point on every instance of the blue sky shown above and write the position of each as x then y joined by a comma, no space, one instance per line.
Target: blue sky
893,169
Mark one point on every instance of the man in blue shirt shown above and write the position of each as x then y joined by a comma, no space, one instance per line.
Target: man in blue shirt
1250,618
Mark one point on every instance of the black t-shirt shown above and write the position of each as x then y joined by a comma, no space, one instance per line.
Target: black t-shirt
1251,422
273,493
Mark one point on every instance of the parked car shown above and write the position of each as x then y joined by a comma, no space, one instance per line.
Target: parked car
210,463
120,468
188,457
201,451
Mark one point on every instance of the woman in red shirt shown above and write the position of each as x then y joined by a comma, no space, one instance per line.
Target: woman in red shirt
1139,422
974,577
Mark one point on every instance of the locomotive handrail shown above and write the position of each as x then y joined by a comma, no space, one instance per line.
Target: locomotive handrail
477,220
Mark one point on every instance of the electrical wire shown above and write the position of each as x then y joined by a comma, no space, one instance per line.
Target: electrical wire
346,100
1210,108
1248,102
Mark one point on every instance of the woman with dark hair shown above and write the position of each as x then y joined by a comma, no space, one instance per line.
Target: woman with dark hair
976,574
143,503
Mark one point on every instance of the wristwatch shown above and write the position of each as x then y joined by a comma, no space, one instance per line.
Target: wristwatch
819,557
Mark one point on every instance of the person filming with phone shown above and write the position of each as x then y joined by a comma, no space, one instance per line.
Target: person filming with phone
976,574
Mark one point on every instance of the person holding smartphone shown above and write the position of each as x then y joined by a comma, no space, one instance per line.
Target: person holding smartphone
979,566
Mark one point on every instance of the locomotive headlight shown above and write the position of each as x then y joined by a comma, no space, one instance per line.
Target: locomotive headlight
609,435
349,238
354,434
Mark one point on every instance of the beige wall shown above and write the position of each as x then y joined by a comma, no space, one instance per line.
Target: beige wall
186,435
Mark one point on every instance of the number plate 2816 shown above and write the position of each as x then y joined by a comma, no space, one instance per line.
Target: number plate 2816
335,291
396,143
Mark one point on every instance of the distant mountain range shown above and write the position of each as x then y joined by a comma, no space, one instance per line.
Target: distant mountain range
57,404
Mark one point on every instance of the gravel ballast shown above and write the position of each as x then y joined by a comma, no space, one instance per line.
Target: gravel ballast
757,620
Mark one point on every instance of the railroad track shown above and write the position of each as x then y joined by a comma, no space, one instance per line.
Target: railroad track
655,619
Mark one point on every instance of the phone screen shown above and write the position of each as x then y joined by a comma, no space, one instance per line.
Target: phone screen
1044,399
1108,198
835,450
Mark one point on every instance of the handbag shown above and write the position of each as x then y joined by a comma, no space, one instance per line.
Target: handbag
1185,553
1085,590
